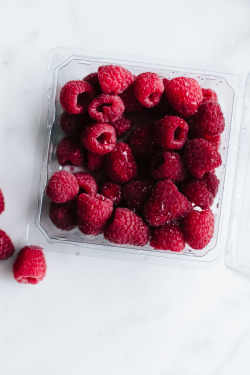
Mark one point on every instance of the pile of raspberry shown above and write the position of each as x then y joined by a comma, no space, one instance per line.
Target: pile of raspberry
147,148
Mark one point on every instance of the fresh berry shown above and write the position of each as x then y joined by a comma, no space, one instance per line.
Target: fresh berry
95,162
106,108
197,192
93,80
209,96
114,79
120,164
64,215
168,237
30,265
62,187
70,152
212,182
112,191
184,95
198,228
135,193
6,246
86,182
93,213
2,205
72,125
167,164
122,126
127,229
170,132
132,105
215,141
201,156
140,142
209,120
148,89
75,96
165,203
99,138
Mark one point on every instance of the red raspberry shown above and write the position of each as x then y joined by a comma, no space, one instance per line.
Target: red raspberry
112,191
212,182
209,96
198,228
122,126
170,132
62,187
135,193
167,164
93,80
86,182
106,108
197,192
140,142
93,213
209,120
114,79
201,156
30,265
95,162
148,89
165,203
75,96
168,237
132,105
99,138
127,229
184,95
70,152
72,125
64,215
215,141
120,164
6,246
2,205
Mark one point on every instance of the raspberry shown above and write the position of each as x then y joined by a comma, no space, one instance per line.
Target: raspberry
167,164
168,237
135,193
94,161
170,132
198,228
99,138
114,79
215,141
70,152
62,187
209,96
30,265
197,192
64,215
122,126
140,142
148,89
112,191
106,108
209,120
212,182
72,125
165,203
132,105
184,95
201,156
127,229
86,182
2,205
75,96
93,80
6,246
120,164
93,212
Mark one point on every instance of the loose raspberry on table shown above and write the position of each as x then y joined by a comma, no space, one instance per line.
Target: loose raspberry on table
140,142
30,265
201,156
165,203
114,79
62,187
93,213
2,204
120,164
132,105
167,164
70,152
112,191
72,125
122,126
75,96
93,80
168,237
212,182
95,162
127,229
135,193
99,138
86,182
209,96
148,89
6,246
184,95
198,228
106,108
197,192
64,215
209,120
170,132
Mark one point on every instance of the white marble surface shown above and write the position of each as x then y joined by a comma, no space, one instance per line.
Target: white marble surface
97,316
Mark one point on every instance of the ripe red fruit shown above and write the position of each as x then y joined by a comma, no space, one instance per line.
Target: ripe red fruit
30,265
209,96
140,142
114,79
167,164
209,120
75,96
170,132
86,182
2,205
122,126
70,152
168,237
6,246
106,108
95,162
64,215
62,187
148,89
132,105
93,80
112,191
99,138
135,193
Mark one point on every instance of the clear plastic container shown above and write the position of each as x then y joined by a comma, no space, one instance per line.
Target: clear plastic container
66,64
